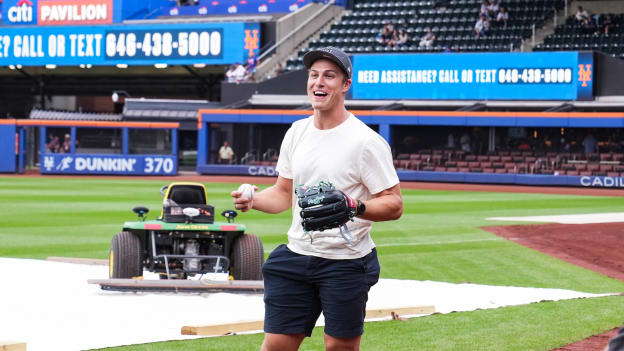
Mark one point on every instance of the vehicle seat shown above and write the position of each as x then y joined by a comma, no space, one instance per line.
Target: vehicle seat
187,195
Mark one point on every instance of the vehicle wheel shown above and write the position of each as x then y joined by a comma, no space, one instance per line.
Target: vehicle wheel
124,256
247,258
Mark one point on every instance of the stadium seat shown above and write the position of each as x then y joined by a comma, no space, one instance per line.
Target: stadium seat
187,194
606,168
580,167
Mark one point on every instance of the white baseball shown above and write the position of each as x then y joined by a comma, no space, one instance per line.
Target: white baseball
247,191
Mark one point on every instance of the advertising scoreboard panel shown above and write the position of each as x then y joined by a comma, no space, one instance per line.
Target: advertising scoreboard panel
207,43
474,76
234,7
109,164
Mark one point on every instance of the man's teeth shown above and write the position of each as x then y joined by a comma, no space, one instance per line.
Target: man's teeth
320,93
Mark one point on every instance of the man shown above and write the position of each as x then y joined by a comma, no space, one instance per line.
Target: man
252,63
320,271
482,26
225,153
231,72
427,39
581,14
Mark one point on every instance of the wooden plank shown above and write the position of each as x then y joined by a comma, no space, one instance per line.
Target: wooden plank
401,311
180,285
245,326
223,329
12,346
91,261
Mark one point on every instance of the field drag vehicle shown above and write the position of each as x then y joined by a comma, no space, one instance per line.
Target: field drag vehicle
185,240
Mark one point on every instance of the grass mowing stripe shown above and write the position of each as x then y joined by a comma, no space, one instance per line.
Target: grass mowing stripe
268,249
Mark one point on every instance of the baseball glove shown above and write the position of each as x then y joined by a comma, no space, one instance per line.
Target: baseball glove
324,207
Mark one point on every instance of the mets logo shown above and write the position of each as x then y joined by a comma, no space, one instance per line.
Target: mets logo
251,40
585,74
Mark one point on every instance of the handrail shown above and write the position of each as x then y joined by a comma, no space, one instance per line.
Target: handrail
279,42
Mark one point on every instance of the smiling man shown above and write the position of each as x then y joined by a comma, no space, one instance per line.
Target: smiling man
321,271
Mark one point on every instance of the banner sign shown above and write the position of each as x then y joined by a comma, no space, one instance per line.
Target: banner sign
72,12
474,76
57,12
208,43
20,12
602,182
226,7
246,170
109,164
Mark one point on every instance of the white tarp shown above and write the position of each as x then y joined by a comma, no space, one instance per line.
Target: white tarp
50,306
567,219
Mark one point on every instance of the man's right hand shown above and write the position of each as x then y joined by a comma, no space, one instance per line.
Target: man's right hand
241,203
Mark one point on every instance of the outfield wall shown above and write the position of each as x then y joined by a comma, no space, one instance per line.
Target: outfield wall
384,120
445,177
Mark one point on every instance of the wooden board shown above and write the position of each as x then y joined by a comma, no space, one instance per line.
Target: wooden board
12,346
245,326
401,311
180,285
223,329
91,261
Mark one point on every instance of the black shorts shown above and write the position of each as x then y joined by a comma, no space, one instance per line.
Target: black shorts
297,288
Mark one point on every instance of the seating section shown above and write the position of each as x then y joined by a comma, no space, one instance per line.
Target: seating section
514,162
572,36
452,21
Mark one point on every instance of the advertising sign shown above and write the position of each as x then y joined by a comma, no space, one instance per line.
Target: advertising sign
57,12
74,12
19,12
109,164
208,43
478,76
224,7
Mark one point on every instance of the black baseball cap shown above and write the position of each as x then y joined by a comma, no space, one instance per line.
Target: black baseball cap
331,53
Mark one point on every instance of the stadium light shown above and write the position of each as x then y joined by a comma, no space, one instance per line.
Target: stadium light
160,65
122,65
199,65
50,66
117,93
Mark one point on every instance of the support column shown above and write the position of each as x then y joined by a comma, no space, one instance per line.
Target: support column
492,139
125,141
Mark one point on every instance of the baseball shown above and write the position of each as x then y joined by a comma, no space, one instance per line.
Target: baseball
247,191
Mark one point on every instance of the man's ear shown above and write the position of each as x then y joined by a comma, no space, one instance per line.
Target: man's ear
347,85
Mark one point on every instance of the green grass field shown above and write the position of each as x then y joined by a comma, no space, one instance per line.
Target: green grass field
438,238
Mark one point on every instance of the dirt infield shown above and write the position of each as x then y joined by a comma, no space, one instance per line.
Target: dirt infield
592,246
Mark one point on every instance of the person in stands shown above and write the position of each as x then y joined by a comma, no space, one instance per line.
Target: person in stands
226,154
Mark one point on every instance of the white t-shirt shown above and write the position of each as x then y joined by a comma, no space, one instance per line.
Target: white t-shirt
226,152
351,156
